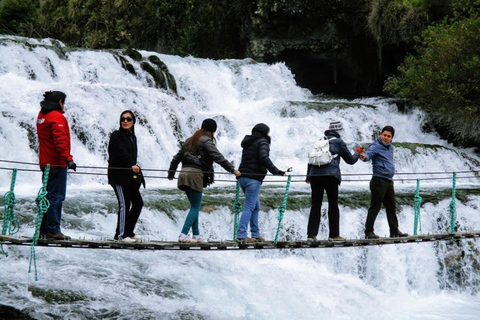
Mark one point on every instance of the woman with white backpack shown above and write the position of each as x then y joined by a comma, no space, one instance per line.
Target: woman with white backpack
324,174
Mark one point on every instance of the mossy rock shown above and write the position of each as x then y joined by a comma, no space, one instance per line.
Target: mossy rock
127,65
56,296
134,54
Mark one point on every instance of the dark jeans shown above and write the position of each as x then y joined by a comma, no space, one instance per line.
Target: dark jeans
57,189
382,192
130,204
318,185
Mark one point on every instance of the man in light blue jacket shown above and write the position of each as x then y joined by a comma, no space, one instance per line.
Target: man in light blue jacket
380,153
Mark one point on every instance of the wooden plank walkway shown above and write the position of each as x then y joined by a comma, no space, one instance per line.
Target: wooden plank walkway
231,245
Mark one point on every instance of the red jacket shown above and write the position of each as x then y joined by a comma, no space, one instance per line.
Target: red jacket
54,139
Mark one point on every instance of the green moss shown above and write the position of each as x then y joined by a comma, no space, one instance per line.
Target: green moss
134,54
323,106
56,296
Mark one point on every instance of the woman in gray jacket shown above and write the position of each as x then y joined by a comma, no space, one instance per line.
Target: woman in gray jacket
197,156
327,178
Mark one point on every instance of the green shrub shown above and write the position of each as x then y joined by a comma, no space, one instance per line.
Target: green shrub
444,77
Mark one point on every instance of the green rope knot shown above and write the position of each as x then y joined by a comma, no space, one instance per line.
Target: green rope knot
237,207
281,209
418,203
42,206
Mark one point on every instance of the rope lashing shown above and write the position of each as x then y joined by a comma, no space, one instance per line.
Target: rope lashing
453,209
281,209
42,206
418,203
237,208
10,222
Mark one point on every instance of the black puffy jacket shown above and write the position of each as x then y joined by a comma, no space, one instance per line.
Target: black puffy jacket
255,158
122,153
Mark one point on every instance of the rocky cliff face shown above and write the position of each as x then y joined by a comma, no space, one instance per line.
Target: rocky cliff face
324,42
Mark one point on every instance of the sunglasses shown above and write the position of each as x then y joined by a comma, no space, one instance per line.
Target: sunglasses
126,119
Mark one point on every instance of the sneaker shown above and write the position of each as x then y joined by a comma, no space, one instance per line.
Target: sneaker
137,237
185,238
312,238
398,234
199,239
246,240
58,236
259,239
371,235
128,240
337,238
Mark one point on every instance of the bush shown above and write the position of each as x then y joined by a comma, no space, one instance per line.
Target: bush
444,78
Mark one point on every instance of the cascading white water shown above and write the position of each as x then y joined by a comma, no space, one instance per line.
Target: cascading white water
410,281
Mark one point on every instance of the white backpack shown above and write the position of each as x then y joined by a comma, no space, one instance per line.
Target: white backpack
320,155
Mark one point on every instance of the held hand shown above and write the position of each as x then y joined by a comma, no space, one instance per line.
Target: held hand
72,165
237,173
362,156
136,168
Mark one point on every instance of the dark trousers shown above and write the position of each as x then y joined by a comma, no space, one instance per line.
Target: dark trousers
130,204
318,186
56,188
382,192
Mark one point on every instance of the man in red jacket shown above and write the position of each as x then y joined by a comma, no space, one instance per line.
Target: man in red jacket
54,139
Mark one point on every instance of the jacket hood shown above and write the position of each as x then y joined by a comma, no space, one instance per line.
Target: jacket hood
251,138
48,106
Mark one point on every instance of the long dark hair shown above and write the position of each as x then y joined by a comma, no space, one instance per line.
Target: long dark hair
191,142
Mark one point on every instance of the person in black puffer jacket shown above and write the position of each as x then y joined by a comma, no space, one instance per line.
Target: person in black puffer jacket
197,156
254,166
125,176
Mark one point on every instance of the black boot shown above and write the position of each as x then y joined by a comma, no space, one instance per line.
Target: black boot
398,234
371,235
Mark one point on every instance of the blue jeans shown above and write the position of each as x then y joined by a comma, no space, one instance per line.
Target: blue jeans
195,198
251,189
57,189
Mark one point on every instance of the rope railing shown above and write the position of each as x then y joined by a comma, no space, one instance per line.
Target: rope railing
10,222
418,203
228,173
237,207
42,206
282,207
453,209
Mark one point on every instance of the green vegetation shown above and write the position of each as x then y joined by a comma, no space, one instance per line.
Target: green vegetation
443,76
176,26
434,42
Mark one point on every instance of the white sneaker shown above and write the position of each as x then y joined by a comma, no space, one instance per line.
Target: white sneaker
185,238
128,240
137,237
199,239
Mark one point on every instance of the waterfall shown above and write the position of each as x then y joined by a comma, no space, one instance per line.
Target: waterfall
171,96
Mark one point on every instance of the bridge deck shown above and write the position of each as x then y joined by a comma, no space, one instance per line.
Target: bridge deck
231,245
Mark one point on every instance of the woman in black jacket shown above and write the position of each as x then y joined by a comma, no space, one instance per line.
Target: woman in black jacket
124,175
254,166
197,156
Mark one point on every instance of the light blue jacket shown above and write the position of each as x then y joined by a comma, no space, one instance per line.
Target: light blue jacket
381,155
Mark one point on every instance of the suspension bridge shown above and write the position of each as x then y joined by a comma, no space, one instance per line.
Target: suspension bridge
11,227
